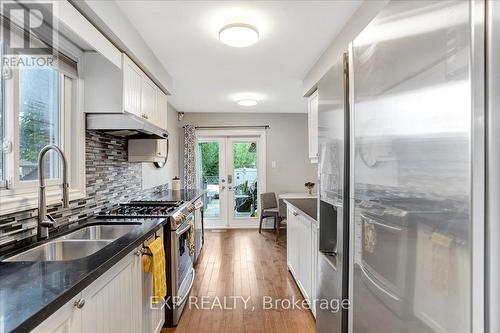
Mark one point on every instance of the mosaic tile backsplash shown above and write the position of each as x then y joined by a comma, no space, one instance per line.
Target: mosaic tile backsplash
110,178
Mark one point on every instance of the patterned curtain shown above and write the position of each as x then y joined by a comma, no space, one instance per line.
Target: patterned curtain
190,157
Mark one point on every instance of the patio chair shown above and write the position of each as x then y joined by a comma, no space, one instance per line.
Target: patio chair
269,208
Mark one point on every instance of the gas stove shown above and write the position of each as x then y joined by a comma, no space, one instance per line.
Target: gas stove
144,210
175,211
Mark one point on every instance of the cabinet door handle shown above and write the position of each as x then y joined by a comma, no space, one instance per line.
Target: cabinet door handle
80,303
295,213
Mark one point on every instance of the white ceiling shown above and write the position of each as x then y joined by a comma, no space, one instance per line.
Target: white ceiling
209,76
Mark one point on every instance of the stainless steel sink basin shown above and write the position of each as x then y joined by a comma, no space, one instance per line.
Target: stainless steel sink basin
78,244
100,232
61,250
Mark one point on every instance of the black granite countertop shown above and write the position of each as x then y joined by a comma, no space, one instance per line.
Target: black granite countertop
306,206
170,195
32,291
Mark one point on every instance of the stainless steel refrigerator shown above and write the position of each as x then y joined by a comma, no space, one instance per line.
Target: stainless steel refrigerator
492,322
417,185
333,169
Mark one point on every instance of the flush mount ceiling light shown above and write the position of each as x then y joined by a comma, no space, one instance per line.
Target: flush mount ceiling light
239,34
247,102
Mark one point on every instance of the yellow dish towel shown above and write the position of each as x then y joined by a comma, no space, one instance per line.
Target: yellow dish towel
191,238
156,264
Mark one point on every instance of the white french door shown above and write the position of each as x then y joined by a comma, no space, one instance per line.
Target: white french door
231,170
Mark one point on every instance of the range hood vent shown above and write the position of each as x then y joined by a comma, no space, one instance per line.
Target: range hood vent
125,125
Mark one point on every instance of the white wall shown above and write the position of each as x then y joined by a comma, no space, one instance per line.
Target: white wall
287,145
358,21
152,176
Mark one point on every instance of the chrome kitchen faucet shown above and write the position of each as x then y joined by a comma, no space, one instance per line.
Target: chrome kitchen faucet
45,220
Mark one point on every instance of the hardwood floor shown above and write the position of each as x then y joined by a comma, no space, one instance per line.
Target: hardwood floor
243,263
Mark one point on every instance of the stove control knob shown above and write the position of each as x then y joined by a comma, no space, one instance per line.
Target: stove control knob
191,208
180,218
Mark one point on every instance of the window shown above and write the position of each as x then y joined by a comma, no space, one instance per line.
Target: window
38,107
39,119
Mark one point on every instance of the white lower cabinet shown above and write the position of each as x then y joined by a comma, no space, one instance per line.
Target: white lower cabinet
113,302
304,273
302,253
118,301
292,224
152,317
314,270
68,319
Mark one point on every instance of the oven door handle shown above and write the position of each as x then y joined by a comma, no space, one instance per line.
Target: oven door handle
383,225
198,205
179,302
183,230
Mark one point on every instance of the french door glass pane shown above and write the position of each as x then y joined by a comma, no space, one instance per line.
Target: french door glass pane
245,179
39,120
208,153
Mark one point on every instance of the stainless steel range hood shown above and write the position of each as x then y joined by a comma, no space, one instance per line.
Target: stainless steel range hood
125,125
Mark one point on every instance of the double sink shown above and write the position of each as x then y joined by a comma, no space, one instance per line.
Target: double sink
78,244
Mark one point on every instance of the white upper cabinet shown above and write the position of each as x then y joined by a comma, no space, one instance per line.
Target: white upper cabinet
132,87
312,117
161,108
148,101
109,89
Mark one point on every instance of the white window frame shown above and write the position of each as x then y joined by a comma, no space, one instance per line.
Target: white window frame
23,195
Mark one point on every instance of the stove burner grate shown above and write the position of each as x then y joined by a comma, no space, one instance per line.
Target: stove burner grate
139,209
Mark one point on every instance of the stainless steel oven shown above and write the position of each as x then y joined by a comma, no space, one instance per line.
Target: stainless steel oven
183,273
